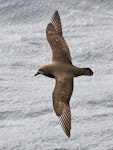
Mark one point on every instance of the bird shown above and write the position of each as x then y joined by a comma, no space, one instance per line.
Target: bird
62,70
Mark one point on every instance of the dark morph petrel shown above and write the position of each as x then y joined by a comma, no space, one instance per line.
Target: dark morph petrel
62,69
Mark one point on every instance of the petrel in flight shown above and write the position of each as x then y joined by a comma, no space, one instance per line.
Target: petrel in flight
62,69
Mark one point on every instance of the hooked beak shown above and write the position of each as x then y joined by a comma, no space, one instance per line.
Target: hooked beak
36,74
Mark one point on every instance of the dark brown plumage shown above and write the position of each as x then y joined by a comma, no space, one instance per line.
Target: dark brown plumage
62,69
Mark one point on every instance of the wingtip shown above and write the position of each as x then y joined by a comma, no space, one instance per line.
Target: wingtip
56,11
68,135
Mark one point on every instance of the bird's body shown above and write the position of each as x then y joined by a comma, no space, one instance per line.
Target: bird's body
62,69
51,70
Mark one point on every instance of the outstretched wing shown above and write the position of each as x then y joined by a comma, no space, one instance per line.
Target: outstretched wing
58,44
61,97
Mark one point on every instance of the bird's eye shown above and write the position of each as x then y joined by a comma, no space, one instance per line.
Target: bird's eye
43,70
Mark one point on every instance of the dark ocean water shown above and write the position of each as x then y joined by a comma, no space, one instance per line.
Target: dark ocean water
27,119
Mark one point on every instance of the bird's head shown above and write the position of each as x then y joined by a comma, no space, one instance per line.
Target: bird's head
45,70
41,70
